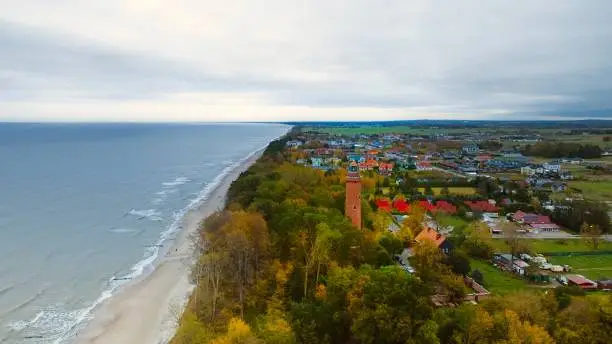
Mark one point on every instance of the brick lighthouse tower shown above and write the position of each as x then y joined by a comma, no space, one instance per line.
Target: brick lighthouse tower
352,205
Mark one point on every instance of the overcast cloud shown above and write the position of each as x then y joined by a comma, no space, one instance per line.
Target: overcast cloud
245,60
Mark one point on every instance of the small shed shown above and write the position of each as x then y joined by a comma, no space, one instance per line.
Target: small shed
605,284
582,282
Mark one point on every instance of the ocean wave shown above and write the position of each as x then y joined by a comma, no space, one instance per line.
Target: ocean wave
176,182
122,230
6,289
26,302
150,214
58,324
54,323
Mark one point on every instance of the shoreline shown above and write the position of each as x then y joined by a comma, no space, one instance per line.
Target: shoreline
147,309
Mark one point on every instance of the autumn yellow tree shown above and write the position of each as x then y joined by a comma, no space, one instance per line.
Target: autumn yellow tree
591,234
238,332
522,332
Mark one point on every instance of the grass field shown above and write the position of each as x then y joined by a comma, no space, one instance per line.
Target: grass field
433,174
459,190
553,245
594,190
594,267
495,280
449,220
400,129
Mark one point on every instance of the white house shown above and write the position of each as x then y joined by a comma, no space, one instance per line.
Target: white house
551,167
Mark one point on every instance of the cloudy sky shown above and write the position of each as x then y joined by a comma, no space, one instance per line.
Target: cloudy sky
273,60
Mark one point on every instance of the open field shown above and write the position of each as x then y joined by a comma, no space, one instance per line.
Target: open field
400,129
433,174
554,245
582,139
515,176
495,280
459,190
594,267
594,190
449,220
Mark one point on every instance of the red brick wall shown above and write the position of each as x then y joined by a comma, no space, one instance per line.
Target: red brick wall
352,206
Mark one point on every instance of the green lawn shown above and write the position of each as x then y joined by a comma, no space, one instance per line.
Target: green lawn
449,220
599,191
497,281
373,129
434,174
594,267
553,245
457,190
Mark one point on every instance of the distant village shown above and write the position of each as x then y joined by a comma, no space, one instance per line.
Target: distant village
473,177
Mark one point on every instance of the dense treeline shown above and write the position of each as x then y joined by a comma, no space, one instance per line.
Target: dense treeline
573,215
281,264
561,149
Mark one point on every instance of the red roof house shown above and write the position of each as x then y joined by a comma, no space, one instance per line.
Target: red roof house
438,239
401,205
582,282
445,207
385,168
530,218
482,206
383,204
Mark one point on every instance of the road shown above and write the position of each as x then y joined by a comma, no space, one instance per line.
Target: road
553,235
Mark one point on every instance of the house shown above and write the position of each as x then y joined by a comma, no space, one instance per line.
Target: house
438,239
401,205
383,204
529,170
316,162
294,143
482,206
470,149
369,165
530,218
385,168
512,263
482,159
355,157
424,166
604,284
445,207
333,161
573,161
552,167
406,164
478,291
545,227
582,282
468,169
558,187
566,175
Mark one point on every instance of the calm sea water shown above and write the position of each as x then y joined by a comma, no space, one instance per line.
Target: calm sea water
79,204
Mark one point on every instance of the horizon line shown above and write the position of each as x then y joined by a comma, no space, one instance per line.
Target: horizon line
297,121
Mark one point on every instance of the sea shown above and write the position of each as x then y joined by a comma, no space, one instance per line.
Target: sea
84,208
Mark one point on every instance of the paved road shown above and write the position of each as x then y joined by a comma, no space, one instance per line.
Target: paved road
451,172
558,235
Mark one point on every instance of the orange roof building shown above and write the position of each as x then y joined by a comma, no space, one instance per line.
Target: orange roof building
436,238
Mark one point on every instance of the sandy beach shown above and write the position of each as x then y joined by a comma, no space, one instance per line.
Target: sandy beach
146,310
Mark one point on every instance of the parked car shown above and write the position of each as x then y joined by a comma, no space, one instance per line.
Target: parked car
562,280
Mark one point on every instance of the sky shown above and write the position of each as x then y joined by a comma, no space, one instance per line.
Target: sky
279,60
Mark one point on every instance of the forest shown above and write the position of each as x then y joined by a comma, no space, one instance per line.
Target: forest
282,264
562,150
